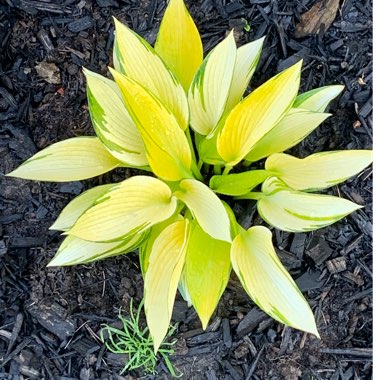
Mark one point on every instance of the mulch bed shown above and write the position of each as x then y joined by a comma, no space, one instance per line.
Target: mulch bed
50,318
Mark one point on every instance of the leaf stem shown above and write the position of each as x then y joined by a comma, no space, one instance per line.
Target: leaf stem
217,169
227,169
196,171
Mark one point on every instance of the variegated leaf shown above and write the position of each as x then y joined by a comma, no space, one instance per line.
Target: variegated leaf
209,90
130,207
267,282
70,214
69,160
257,114
320,170
318,99
247,58
206,207
289,131
112,122
74,251
162,277
166,146
296,211
134,57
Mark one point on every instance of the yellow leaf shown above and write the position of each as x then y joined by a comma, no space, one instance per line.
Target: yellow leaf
288,132
206,207
70,214
267,282
257,114
130,207
74,251
295,211
146,248
179,43
247,58
320,170
317,100
206,272
166,146
112,122
210,87
69,160
162,277
134,57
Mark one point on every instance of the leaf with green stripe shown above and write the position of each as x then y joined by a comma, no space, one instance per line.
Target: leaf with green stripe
296,211
70,214
112,122
267,282
247,58
320,170
318,99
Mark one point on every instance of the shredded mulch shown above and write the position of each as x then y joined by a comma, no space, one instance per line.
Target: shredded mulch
50,318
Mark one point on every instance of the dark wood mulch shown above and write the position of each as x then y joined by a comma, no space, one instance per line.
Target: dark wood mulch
49,318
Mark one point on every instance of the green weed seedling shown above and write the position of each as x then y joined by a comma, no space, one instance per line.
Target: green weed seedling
137,344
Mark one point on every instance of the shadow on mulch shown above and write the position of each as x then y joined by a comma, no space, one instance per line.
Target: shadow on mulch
50,318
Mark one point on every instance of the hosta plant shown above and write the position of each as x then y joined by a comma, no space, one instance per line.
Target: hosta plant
183,119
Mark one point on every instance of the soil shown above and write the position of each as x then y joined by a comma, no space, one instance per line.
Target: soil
50,318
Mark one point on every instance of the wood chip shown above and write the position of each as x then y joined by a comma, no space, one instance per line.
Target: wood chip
320,15
318,250
250,322
336,265
356,279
